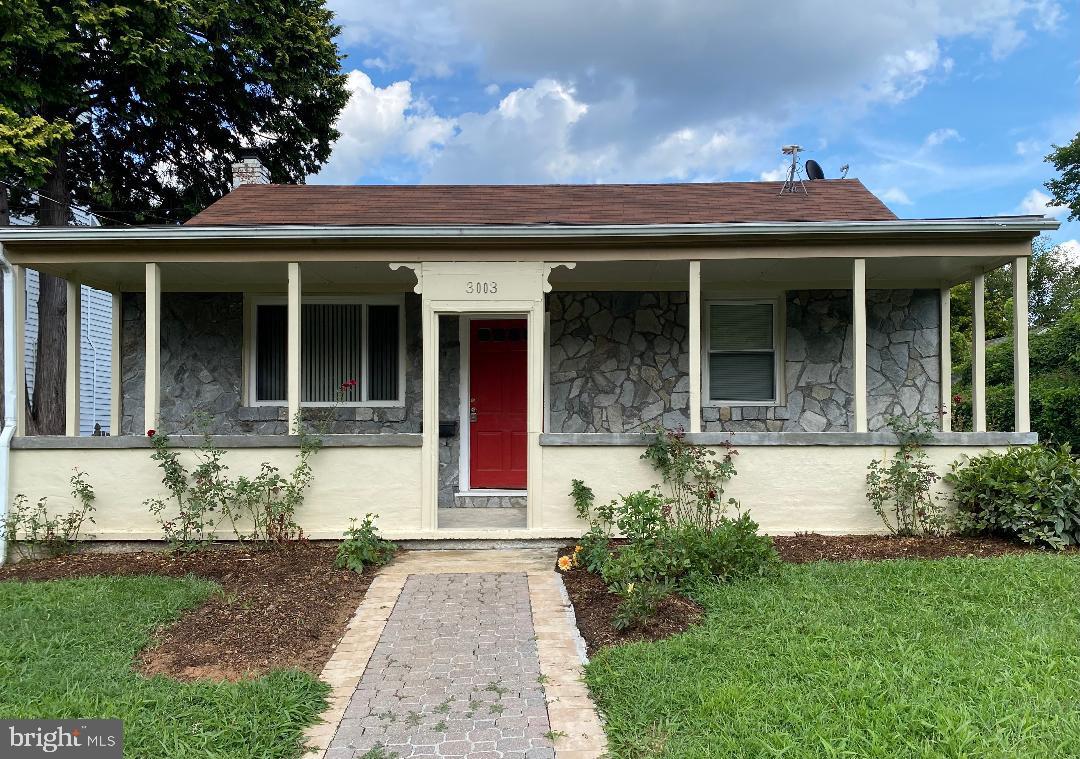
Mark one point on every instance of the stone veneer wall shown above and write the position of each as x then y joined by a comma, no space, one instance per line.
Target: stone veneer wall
449,407
618,361
202,337
817,372
903,355
903,364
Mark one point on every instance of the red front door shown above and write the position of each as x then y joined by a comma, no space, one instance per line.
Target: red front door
497,377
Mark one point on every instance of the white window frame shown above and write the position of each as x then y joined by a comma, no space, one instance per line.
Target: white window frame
779,391
251,327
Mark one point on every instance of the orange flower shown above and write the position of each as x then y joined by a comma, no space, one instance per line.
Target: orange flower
565,564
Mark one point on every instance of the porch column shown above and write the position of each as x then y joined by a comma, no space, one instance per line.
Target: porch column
19,301
978,352
429,372
946,360
73,359
535,341
293,341
116,375
152,381
858,359
1021,390
695,346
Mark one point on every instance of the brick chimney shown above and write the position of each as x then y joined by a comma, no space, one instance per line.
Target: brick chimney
249,169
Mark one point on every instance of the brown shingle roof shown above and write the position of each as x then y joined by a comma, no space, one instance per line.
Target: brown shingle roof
426,205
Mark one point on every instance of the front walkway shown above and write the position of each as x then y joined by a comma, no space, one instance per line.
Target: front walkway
460,654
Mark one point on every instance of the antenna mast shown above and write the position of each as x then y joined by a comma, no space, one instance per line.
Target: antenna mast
794,181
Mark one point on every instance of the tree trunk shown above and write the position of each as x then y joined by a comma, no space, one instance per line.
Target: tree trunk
45,408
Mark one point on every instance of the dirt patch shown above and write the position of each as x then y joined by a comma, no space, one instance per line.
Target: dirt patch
281,607
594,607
807,547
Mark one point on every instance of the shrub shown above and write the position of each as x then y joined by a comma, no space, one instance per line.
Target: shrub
672,541
595,542
363,547
267,503
694,478
900,491
33,532
200,496
260,509
639,602
1032,493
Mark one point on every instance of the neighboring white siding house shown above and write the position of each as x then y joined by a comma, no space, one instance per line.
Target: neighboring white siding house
96,362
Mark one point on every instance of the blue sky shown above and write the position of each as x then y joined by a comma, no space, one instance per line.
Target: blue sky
943,108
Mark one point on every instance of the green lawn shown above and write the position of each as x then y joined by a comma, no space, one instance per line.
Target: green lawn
66,650
955,658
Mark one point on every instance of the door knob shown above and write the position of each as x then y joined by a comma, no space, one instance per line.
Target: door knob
472,414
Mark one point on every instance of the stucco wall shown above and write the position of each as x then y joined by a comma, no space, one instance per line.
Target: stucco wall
348,482
786,488
202,338
618,361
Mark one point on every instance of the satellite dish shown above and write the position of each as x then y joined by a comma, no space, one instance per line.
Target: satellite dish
813,170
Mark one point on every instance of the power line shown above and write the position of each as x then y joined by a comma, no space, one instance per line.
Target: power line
67,204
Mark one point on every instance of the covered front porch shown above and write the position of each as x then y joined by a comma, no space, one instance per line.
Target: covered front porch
796,351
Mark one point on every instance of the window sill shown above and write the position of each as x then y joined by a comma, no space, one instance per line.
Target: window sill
354,404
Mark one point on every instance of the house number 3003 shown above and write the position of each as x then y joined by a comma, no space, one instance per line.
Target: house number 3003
482,288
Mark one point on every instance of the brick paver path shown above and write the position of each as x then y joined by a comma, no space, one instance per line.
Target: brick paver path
455,674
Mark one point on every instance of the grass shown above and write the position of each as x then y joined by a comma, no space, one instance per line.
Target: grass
954,658
67,647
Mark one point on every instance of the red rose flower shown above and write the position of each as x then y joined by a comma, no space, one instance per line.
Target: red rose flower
151,433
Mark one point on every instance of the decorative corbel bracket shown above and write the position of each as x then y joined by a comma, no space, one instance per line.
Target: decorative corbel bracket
417,269
548,268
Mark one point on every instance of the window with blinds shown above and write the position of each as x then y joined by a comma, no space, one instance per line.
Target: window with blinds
338,342
742,352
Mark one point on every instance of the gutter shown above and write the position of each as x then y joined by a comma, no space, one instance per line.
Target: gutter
993,224
9,398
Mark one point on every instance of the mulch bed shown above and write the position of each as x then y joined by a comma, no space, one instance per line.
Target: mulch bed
595,607
281,607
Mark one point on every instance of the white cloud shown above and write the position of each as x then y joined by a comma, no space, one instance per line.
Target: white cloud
779,174
700,84
1037,203
381,122
894,195
1031,147
529,137
941,136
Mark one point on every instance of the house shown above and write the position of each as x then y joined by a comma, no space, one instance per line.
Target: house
95,362
506,339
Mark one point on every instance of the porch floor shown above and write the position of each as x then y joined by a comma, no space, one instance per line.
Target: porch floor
474,518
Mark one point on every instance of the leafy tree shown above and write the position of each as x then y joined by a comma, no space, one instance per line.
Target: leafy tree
135,110
1065,189
1053,286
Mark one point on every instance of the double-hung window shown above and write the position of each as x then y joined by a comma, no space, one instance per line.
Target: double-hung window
742,355
351,351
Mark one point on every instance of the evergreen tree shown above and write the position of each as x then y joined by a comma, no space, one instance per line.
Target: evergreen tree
136,110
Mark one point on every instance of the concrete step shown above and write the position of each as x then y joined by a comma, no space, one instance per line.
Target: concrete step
491,499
